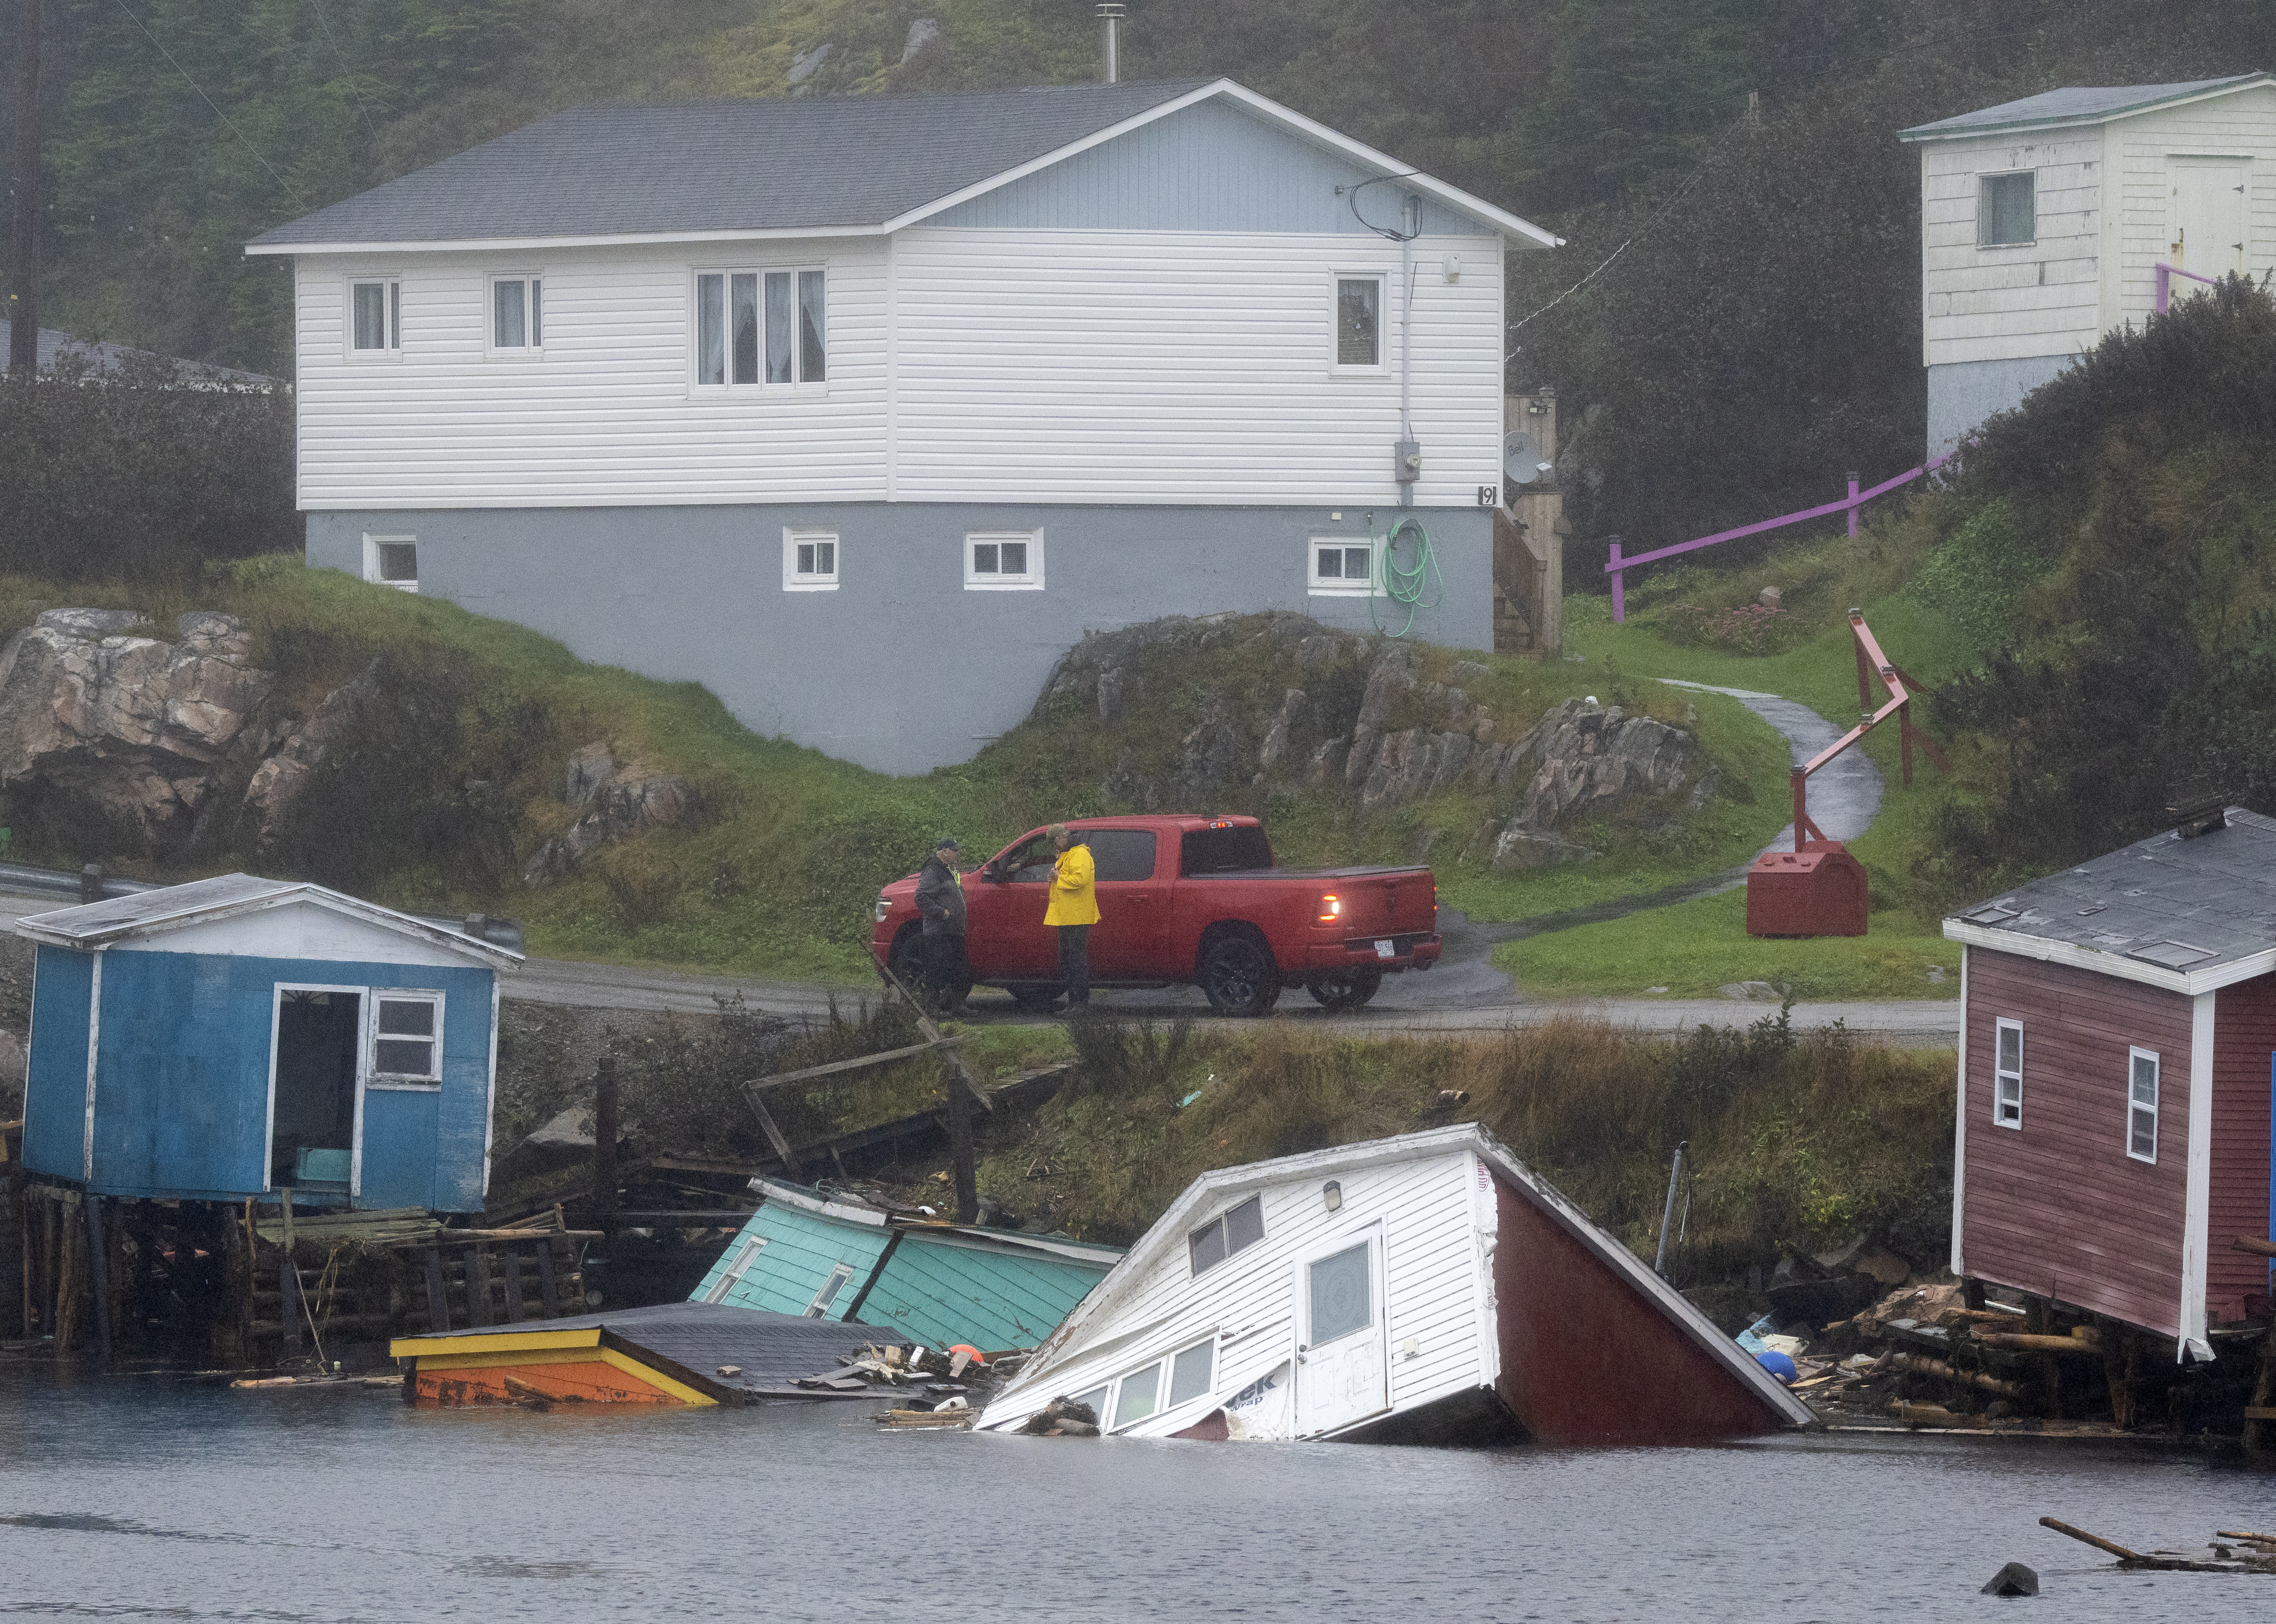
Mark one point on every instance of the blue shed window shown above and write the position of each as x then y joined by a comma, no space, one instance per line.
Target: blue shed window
407,1040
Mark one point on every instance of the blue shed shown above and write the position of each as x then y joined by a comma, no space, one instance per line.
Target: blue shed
833,1255
235,1036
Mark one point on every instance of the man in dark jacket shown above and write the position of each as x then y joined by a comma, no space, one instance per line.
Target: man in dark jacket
940,903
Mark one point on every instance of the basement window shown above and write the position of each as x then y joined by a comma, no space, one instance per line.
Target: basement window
2006,209
1226,1234
1004,561
2142,1105
810,560
1190,1372
375,317
827,1297
1139,1395
2007,1074
407,1038
1339,566
392,561
517,316
731,1276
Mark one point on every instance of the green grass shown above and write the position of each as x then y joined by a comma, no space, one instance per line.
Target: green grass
1693,949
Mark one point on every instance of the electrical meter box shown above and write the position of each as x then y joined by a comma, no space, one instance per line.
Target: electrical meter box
1817,891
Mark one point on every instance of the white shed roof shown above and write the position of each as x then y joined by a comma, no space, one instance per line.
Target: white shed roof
2077,104
231,896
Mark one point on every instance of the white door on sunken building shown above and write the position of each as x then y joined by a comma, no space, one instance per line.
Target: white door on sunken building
1342,1366
2205,211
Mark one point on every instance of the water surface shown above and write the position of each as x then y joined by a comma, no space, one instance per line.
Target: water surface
147,1497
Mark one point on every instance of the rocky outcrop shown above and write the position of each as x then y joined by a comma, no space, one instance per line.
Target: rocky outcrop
123,731
1271,703
619,803
279,781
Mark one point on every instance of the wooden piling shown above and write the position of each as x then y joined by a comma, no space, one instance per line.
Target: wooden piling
606,1128
960,1149
2258,1435
98,1276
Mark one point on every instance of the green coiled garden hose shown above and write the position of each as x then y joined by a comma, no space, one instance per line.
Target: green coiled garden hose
1420,587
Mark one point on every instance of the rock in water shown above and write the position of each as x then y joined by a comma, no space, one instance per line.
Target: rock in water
2012,1580
120,733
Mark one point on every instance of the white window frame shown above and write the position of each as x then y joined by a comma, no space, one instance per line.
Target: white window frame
1323,586
532,316
1381,364
392,350
799,381
825,1296
1159,1367
2134,1058
1218,1223
747,1253
2002,1097
372,542
817,579
401,1081
1030,581
1984,208
362,1083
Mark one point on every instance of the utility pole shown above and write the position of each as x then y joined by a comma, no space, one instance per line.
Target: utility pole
24,306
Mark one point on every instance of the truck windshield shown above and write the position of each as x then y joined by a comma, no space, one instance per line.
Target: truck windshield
1225,851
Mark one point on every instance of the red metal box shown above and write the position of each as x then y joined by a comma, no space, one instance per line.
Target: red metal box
1817,891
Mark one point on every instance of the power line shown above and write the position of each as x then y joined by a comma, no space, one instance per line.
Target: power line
217,113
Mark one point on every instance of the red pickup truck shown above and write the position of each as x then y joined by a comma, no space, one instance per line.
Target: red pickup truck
1185,900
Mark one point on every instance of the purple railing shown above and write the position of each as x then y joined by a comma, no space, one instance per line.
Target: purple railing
2166,275
1618,566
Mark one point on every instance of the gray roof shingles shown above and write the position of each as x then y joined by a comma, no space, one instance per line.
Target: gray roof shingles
2072,103
2184,904
783,164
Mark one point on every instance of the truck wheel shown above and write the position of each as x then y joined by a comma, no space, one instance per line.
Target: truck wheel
1238,976
1347,988
907,957
1035,1000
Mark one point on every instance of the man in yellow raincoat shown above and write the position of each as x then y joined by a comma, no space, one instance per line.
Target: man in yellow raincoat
1074,910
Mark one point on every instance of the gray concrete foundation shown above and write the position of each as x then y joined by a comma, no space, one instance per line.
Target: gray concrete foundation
1961,394
901,668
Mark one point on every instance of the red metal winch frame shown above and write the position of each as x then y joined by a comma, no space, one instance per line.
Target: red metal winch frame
1818,889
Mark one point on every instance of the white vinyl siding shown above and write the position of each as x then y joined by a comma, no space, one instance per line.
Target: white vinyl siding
1431,1289
1182,366
610,417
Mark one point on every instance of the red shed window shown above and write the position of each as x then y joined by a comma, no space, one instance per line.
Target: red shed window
2142,1106
2007,1075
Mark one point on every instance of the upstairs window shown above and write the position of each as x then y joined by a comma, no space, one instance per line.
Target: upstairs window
375,317
755,328
2142,1105
517,315
2006,209
406,1037
2007,1074
1004,561
1359,321
1230,1231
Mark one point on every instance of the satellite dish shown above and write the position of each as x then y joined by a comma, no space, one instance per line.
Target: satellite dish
1522,462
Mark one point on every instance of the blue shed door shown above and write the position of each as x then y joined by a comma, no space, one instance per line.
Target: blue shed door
396,1149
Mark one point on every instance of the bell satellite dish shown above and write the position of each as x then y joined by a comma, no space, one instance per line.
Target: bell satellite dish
1522,461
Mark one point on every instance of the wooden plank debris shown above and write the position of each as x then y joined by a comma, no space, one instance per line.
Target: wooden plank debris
858,1063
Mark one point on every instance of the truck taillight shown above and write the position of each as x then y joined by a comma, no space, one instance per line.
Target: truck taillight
1434,899
1331,908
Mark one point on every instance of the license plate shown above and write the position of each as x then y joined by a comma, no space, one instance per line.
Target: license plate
1386,950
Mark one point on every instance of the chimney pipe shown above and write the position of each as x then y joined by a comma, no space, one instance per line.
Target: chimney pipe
1109,41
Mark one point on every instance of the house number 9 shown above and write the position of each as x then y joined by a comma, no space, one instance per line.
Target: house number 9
1487,495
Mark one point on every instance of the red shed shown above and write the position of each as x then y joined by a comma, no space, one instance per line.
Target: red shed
2118,1057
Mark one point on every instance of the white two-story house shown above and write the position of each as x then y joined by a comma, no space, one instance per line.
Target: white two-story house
2044,222
860,411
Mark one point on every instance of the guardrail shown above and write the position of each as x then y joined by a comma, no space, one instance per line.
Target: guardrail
92,884
1618,566
2166,275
